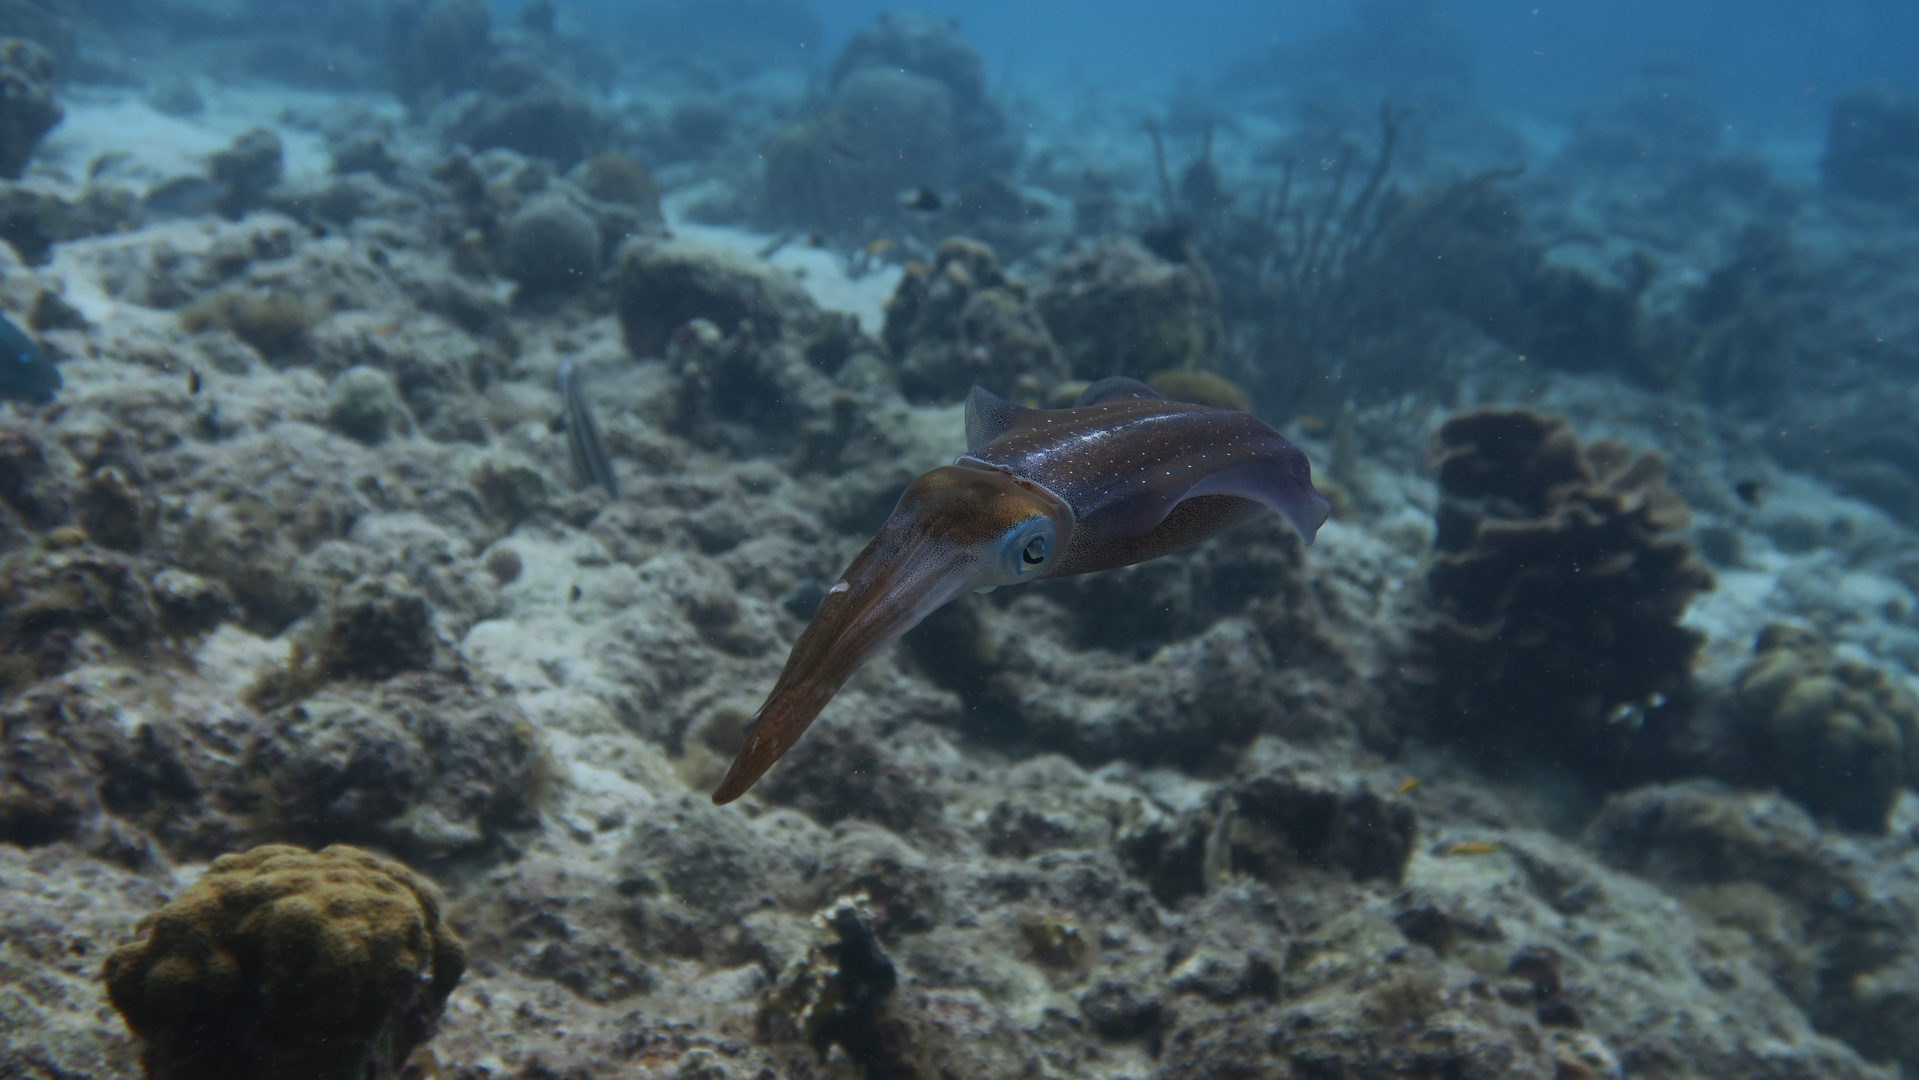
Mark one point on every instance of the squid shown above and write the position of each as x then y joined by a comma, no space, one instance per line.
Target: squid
1121,477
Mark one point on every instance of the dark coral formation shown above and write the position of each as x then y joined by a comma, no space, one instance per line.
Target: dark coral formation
424,765
246,170
551,245
62,608
1839,736
437,46
906,107
1872,146
1832,932
961,322
1560,580
280,962
27,108
661,285
1122,310
837,997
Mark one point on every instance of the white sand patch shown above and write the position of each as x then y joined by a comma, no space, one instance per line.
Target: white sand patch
160,147
822,271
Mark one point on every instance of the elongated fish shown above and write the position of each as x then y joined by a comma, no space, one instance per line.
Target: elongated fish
590,464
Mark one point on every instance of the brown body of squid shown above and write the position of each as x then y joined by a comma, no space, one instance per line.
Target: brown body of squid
1121,477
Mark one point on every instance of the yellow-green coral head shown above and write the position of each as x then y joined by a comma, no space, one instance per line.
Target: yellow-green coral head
281,962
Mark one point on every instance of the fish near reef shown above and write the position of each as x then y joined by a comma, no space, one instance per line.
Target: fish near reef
590,463
1122,476
26,372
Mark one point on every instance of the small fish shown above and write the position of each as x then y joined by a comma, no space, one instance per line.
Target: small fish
884,243
772,247
183,196
1310,424
1750,491
193,380
106,161
26,372
1471,847
1406,785
590,463
925,200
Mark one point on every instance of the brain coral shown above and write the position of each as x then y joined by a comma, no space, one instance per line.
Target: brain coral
281,962
1560,579
1838,736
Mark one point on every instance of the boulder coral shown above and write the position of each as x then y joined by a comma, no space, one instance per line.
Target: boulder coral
661,285
907,107
282,963
1559,579
1838,736
551,246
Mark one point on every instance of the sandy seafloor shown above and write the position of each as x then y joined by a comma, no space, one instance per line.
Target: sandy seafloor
1058,901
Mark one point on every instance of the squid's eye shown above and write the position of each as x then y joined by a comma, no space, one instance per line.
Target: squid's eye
1034,552
1025,548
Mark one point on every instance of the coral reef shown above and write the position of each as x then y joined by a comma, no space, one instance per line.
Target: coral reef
26,86
962,322
1839,736
551,245
616,178
363,404
661,285
297,554
1829,931
1200,388
1559,579
280,962
60,608
906,108
424,765
540,120
837,997
1872,146
246,170
1121,310
437,46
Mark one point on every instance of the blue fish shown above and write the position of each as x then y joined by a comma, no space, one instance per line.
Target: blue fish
26,372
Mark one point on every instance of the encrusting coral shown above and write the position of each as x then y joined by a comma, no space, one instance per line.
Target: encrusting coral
1840,737
283,963
1560,581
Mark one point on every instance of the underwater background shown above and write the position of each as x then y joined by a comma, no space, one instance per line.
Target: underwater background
428,427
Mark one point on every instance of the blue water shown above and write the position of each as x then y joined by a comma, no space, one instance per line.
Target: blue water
1772,63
